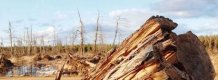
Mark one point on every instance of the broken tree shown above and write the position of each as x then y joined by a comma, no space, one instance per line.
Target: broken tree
155,52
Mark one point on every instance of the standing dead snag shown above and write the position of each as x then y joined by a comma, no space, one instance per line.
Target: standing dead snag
116,31
81,34
29,40
10,36
154,53
96,33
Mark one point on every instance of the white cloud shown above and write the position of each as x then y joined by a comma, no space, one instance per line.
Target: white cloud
200,25
133,18
190,8
132,12
199,16
50,29
47,34
178,14
61,15
125,11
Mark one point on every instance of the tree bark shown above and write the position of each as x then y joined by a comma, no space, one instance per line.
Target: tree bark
81,34
154,52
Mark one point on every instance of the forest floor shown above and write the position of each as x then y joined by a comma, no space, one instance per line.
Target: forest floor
214,60
58,63
39,78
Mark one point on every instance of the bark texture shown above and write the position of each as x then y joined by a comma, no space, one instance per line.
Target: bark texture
154,52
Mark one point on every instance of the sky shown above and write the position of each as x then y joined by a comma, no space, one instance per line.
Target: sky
60,16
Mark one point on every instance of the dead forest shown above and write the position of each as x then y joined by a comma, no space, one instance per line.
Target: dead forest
147,53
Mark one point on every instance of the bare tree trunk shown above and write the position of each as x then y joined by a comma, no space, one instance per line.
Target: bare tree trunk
116,31
10,36
31,39
54,49
2,45
34,46
11,42
54,36
81,34
96,34
24,43
28,41
42,45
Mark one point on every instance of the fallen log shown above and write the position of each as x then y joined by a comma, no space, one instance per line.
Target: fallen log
59,74
194,57
155,52
5,65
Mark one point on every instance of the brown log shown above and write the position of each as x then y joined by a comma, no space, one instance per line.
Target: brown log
192,54
154,52
59,74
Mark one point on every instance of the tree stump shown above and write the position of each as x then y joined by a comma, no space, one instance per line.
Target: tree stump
154,52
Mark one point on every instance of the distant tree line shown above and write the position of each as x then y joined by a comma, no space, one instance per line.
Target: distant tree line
52,50
29,44
210,42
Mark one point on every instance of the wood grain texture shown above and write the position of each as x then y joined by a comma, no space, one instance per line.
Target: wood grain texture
154,52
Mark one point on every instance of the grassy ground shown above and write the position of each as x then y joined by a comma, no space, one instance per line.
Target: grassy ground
38,78
214,59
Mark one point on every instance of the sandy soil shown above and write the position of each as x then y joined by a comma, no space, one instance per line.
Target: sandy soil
38,78
214,59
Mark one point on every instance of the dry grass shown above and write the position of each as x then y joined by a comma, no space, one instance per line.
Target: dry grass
22,60
214,59
38,78
211,44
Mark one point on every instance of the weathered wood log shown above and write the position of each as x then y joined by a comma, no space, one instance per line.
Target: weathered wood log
192,54
59,74
154,52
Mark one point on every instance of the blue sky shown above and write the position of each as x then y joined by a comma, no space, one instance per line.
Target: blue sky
46,16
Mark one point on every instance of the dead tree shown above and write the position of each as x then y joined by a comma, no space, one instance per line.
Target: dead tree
116,31
11,40
154,52
29,40
2,45
42,45
24,43
81,34
34,45
59,74
54,37
96,33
